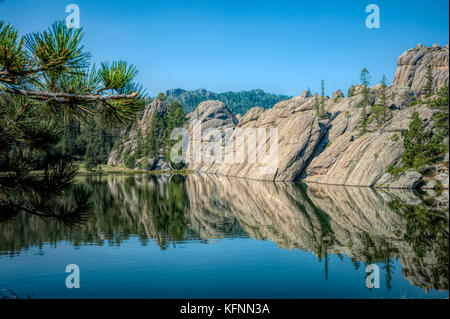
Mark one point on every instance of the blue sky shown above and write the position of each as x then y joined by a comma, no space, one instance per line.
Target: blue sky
278,46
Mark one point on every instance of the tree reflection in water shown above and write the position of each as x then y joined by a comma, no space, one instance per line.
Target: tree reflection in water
367,225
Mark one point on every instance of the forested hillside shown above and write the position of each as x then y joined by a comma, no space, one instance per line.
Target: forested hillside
237,102
92,142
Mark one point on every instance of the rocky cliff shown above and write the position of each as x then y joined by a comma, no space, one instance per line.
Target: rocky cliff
412,67
331,149
327,149
129,139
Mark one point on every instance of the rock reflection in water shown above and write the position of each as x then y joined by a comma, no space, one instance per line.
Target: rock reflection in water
367,225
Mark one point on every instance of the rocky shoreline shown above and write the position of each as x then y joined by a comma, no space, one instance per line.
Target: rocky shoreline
330,148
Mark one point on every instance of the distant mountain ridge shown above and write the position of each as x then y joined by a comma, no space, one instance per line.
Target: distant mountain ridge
237,102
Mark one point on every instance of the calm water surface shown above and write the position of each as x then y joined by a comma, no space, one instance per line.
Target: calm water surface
217,237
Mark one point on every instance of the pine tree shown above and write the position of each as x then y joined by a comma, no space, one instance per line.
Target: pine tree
441,118
365,80
379,112
322,101
176,118
383,91
429,84
154,133
351,91
421,146
46,83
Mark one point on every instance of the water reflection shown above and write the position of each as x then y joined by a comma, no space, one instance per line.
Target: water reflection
367,225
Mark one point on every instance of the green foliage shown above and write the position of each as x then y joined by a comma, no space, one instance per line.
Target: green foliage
379,113
363,120
130,160
351,91
237,102
428,88
49,95
162,97
116,75
157,140
365,80
98,139
155,135
176,118
421,146
427,232
414,101
395,137
52,68
395,170
441,118
365,77
383,91
322,99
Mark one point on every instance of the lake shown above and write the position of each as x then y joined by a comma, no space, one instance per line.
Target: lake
216,237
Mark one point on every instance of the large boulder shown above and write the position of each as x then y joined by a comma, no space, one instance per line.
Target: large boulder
413,64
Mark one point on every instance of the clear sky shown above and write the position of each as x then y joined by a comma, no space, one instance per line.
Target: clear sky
278,46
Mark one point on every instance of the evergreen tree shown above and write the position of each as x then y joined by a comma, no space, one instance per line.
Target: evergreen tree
46,82
176,118
154,135
383,91
365,77
365,80
421,147
351,91
379,112
429,84
441,118
322,101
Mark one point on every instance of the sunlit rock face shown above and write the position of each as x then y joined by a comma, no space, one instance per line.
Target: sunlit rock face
328,151
332,149
412,68
353,159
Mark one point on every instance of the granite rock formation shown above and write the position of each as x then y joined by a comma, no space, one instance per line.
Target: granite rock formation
331,149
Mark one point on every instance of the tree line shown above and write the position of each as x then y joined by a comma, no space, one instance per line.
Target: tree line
237,102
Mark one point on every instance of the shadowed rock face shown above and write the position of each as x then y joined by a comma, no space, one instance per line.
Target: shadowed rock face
128,140
332,149
365,224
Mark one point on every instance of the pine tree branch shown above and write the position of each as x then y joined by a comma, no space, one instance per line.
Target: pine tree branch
63,95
